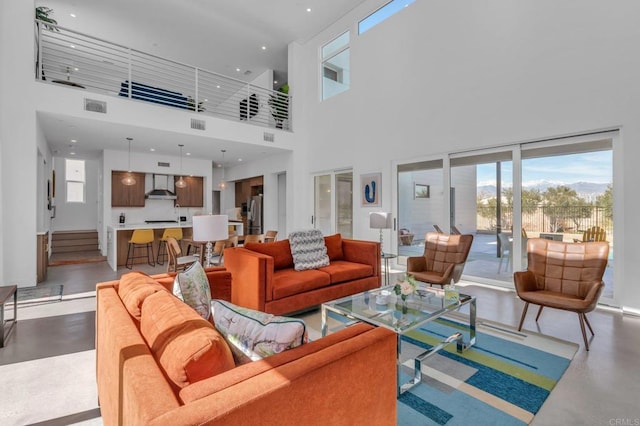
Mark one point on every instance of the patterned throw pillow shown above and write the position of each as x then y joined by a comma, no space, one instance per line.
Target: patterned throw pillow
253,335
308,250
192,287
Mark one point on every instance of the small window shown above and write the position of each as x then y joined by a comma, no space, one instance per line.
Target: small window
75,180
383,13
335,66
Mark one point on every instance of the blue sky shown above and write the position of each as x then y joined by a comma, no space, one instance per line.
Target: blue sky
594,167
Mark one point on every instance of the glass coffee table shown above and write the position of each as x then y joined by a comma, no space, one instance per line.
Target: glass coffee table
427,304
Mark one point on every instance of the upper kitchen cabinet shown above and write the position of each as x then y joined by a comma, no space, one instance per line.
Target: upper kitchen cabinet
127,195
191,195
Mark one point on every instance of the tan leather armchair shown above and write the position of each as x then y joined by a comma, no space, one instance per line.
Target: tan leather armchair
564,276
443,259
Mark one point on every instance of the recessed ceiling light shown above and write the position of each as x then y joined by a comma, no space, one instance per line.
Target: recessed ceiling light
219,165
239,159
72,46
72,153
188,153
206,100
73,140
76,69
152,149
308,9
73,15
238,69
275,81
218,86
264,47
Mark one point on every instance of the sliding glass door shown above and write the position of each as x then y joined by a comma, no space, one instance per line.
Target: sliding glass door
482,205
420,205
333,203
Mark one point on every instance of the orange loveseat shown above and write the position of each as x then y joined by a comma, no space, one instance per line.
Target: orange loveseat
142,331
264,277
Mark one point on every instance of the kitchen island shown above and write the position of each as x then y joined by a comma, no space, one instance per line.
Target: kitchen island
118,237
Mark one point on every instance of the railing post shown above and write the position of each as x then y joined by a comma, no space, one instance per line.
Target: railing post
195,96
39,68
130,71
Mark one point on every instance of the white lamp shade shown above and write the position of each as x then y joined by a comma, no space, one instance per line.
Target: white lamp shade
380,220
210,227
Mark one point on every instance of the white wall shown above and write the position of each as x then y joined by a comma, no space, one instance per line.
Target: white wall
442,77
18,142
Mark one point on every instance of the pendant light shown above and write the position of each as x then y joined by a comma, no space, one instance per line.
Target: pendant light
181,183
129,180
222,182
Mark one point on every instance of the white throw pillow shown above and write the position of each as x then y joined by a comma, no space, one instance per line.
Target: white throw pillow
192,287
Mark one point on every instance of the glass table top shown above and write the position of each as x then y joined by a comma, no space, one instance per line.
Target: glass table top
425,304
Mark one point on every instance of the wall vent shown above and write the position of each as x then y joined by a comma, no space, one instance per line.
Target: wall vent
163,164
198,124
269,137
95,106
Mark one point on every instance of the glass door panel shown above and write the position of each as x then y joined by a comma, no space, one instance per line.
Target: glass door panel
344,204
322,203
420,205
482,205
567,190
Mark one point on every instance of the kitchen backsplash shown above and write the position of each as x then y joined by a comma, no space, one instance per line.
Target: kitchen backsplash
153,210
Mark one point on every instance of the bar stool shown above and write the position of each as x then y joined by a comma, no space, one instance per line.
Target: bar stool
162,249
140,239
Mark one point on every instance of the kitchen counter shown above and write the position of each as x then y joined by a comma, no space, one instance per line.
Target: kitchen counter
118,238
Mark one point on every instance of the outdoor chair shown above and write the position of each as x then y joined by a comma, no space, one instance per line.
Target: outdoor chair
443,260
565,276
406,237
595,233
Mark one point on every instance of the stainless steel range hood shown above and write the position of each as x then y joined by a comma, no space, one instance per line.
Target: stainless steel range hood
161,189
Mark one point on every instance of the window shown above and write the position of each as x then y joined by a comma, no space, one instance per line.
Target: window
75,180
383,13
335,66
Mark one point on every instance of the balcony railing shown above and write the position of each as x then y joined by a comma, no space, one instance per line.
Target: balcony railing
77,60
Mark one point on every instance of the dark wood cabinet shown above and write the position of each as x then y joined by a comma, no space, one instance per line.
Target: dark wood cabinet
191,195
127,196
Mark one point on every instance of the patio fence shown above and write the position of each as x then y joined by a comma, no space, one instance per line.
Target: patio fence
570,219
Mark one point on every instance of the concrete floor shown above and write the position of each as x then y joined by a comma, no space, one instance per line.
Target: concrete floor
47,368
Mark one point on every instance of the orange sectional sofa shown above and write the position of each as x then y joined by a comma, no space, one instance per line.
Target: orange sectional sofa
264,277
159,363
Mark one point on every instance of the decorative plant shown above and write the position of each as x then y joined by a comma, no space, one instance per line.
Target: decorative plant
43,14
405,286
279,103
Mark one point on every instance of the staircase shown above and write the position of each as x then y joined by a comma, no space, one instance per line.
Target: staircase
69,247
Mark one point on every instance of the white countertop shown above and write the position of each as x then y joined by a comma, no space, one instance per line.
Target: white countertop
159,225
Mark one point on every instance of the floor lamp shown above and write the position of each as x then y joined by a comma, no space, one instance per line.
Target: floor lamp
380,220
210,228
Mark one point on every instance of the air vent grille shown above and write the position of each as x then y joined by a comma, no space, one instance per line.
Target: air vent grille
95,106
198,124
269,137
163,164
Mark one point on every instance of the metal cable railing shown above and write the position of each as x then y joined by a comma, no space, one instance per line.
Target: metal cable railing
78,60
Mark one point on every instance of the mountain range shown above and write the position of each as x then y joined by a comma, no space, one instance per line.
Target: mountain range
586,190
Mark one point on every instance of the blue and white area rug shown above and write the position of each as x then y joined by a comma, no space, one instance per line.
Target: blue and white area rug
503,380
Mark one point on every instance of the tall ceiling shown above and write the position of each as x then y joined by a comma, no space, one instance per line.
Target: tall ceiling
223,36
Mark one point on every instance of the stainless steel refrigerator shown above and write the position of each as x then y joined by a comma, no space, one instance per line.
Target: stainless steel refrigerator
254,215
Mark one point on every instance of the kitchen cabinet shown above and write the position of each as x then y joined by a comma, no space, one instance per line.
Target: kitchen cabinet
191,195
127,196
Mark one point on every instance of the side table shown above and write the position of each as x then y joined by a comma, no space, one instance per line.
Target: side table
5,293
386,257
